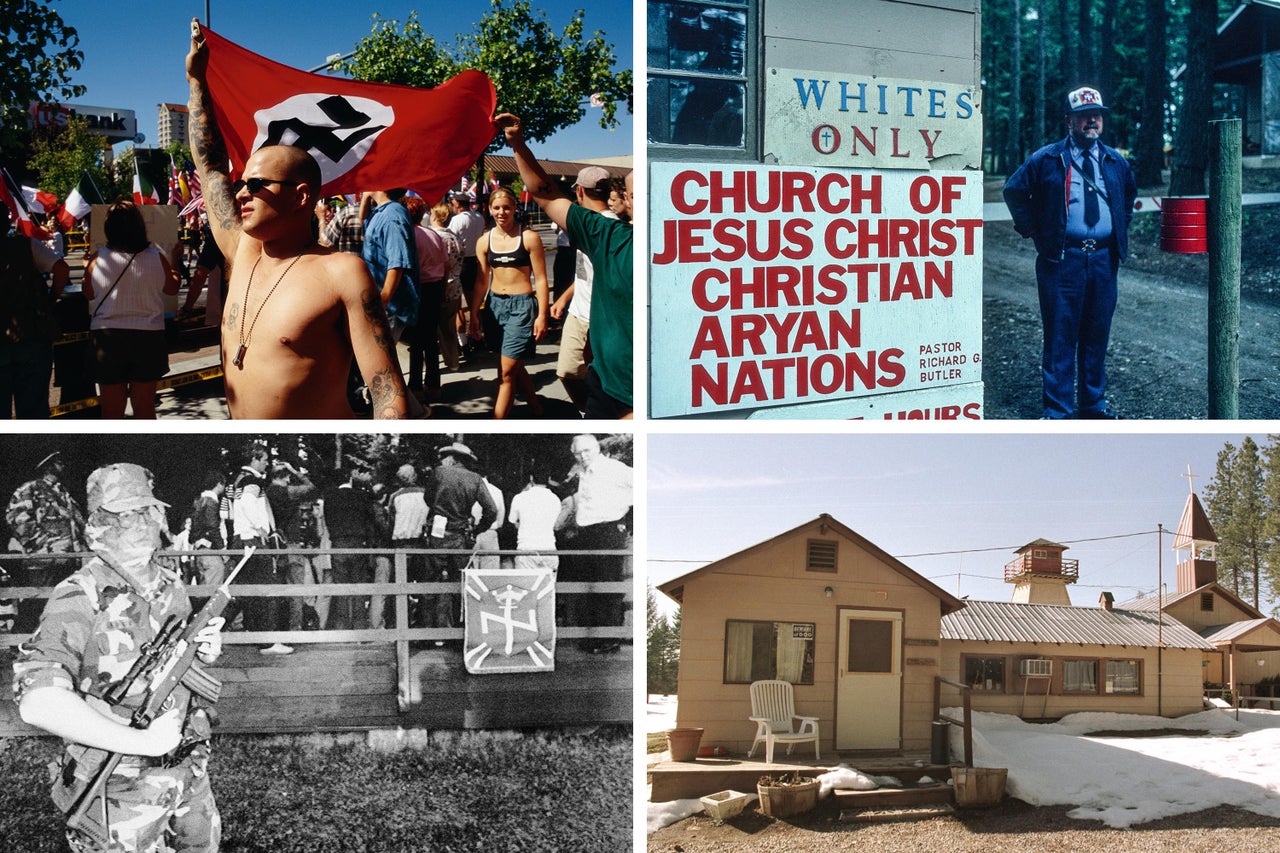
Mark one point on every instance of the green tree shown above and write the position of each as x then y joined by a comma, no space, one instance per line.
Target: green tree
60,157
1191,150
543,76
39,54
662,649
1271,528
1237,506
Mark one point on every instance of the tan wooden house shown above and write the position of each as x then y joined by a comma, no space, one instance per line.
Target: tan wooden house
854,629
863,638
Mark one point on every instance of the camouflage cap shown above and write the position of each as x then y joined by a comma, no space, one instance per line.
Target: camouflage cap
120,488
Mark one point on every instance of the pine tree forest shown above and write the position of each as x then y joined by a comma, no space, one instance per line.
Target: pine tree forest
1243,503
1035,51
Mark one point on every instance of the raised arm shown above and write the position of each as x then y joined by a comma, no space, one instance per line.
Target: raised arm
209,150
544,191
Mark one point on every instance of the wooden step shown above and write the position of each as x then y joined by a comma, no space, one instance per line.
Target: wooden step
895,797
893,815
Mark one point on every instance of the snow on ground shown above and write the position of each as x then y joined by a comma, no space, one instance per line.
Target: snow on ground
1123,781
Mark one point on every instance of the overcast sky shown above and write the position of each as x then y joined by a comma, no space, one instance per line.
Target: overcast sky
976,497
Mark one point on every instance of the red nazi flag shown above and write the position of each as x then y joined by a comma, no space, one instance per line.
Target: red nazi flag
365,136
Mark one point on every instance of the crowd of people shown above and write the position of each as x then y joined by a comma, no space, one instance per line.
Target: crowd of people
451,503
307,291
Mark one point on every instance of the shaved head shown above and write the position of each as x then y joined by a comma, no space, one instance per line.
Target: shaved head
298,165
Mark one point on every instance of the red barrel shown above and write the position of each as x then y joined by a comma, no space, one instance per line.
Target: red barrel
1184,224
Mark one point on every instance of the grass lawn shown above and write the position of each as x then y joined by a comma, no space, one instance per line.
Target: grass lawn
492,791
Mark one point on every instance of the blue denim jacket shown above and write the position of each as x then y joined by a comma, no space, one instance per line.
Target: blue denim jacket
1037,196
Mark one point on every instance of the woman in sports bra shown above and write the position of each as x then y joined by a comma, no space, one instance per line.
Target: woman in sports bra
514,271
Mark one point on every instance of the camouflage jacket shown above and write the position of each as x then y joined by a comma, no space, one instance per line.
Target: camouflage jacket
44,518
92,631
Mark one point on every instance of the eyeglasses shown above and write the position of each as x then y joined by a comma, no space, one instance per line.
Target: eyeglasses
257,185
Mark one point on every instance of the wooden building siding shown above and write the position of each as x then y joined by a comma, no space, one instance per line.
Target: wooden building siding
925,41
1180,694
1188,611
770,583
378,678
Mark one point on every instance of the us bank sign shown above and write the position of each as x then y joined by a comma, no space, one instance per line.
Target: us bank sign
842,278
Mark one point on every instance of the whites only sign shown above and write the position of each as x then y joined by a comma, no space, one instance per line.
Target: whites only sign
820,119
776,286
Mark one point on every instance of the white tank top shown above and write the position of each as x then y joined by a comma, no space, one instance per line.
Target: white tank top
137,301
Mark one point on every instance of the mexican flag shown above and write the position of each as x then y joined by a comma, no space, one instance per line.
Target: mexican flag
143,192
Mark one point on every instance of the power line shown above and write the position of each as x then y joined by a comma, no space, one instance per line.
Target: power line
1004,548
1016,547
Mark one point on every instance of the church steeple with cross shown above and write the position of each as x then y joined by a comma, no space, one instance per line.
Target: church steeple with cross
1196,543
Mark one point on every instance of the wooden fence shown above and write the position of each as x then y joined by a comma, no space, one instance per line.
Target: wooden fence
393,676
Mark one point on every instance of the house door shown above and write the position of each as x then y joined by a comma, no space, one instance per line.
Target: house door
869,683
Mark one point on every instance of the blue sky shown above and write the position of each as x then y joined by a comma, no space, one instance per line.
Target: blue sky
134,50
709,496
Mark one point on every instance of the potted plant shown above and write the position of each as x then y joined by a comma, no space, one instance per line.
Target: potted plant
786,794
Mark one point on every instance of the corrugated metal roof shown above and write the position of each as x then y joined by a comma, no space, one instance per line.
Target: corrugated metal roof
1151,602
1001,621
1234,631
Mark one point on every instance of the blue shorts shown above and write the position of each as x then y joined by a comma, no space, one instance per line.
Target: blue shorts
515,314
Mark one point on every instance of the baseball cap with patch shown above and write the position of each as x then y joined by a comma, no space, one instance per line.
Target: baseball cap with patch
121,487
1085,98
591,177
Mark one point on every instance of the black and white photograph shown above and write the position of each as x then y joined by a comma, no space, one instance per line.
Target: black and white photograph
316,642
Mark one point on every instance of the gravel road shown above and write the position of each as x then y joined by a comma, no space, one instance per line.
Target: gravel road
1157,363
1012,827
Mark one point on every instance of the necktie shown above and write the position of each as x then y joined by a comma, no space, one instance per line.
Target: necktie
1090,194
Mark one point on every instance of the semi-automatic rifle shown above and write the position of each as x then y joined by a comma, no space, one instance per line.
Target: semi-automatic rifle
165,662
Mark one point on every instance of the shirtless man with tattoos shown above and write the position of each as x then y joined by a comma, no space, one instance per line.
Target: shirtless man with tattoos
296,312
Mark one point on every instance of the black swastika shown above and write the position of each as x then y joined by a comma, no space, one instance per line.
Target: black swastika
323,139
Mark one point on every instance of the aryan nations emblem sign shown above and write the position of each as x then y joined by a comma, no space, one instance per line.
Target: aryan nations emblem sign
510,619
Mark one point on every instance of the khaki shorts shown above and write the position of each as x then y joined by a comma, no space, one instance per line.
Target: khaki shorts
573,349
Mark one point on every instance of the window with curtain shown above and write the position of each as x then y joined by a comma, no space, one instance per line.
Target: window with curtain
758,651
1080,676
699,63
985,673
1122,676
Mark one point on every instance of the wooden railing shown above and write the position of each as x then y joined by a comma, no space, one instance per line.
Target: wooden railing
397,592
966,723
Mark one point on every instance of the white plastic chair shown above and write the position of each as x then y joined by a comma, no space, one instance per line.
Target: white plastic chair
773,710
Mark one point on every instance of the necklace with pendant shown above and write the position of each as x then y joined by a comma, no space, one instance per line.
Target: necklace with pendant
238,361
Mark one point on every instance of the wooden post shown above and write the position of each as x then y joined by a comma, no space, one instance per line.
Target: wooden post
1224,269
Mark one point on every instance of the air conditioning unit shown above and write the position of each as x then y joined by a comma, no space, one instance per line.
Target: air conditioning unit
1035,668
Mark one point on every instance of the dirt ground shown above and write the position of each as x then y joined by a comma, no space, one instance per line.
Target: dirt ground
1011,827
1157,361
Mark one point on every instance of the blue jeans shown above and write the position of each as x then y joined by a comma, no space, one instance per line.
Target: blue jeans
1077,299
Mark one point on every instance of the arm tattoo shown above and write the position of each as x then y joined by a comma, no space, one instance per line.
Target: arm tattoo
376,314
210,152
384,393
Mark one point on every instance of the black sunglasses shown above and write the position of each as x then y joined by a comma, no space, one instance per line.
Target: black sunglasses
257,185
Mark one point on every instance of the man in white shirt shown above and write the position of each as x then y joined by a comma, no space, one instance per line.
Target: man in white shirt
534,512
602,508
